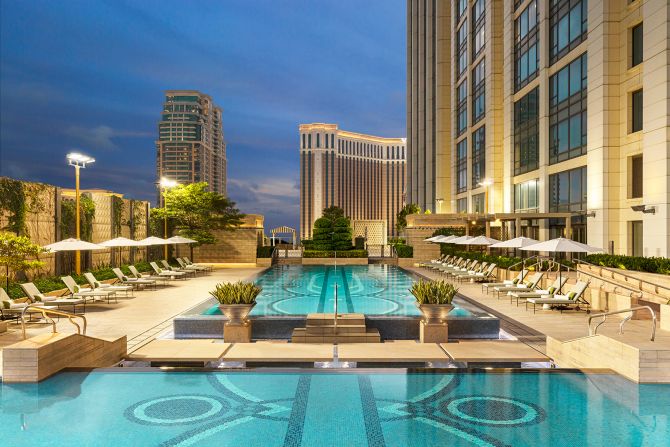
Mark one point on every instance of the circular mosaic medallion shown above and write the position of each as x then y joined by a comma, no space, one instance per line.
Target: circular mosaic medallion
492,410
176,410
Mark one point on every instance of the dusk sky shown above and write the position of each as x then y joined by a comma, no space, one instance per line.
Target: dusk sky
90,76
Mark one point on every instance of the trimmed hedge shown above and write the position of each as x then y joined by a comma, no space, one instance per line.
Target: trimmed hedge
502,261
264,252
331,254
51,283
404,251
635,263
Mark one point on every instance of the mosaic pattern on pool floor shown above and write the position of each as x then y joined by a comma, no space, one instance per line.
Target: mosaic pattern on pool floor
321,409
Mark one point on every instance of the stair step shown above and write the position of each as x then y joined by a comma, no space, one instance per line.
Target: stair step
330,330
300,335
328,319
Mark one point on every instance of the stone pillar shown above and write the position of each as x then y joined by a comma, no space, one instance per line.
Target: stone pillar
433,333
237,333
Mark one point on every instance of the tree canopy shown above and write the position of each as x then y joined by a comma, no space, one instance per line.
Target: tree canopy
194,212
401,221
332,231
19,254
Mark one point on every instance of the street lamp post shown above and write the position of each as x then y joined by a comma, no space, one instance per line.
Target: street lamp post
78,161
486,183
166,184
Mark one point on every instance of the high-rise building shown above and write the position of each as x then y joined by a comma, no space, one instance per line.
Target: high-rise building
190,146
362,174
555,106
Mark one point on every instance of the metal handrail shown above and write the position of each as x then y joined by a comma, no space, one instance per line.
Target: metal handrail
609,269
44,311
604,315
524,261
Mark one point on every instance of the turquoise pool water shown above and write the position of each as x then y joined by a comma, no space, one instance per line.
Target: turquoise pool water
334,409
367,289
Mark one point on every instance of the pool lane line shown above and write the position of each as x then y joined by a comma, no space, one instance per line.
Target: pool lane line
296,422
347,294
373,427
324,289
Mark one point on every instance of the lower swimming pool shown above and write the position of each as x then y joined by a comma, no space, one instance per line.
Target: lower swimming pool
333,408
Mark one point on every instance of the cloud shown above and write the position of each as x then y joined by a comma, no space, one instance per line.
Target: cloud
100,137
277,199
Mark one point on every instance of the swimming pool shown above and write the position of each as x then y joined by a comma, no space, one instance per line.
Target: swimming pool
366,289
334,408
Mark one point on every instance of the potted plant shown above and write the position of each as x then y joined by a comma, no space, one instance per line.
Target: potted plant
236,299
433,298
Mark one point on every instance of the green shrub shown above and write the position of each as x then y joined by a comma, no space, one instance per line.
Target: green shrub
504,262
404,251
331,254
264,252
236,293
635,263
433,292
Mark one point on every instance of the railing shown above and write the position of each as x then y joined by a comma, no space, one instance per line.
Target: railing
604,315
335,316
616,285
626,277
44,311
286,253
381,251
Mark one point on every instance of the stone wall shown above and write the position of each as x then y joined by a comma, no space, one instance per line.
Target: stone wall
232,246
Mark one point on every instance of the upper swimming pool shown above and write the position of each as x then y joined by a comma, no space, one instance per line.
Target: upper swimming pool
366,289
334,409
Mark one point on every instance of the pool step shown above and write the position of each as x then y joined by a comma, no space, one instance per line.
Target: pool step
320,328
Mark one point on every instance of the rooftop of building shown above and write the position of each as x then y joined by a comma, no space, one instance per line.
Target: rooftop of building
348,134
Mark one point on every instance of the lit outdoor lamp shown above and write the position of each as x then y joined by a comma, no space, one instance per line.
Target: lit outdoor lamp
166,184
486,183
78,161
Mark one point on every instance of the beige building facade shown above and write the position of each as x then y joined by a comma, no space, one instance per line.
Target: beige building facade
190,146
362,174
556,106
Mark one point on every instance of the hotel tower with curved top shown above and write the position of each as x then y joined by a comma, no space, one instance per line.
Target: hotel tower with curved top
362,174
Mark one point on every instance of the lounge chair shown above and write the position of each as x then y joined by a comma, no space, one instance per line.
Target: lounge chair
186,266
166,273
573,298
539,293
137,275
188,262
13,308
480,276
529,285
76,291
35,296
169,268
488,286
477,267
133,282
95,284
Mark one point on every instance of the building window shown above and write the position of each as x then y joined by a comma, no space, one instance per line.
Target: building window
478,156
462,49
526,55
461,6
526,133
567,193
461,108
318,140
526,198
635,179
478,28
462,205
636,47
479,203
636,238
462,165
636,111
478,91
568,26
309,141
567,112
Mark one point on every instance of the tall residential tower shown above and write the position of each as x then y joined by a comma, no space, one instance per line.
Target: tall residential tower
550,106
362,174
191,147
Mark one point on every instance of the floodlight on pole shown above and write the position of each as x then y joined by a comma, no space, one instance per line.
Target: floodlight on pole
78,161
166,184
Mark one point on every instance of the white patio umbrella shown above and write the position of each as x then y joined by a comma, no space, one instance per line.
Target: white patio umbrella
72,244
445,239
517,242
181,240
430,239
479,240
458,240
562,245
119,242
152,240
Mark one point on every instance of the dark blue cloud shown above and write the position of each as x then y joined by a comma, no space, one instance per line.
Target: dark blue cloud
79,74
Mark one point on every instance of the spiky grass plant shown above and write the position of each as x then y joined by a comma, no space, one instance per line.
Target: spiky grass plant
236,293
433,292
